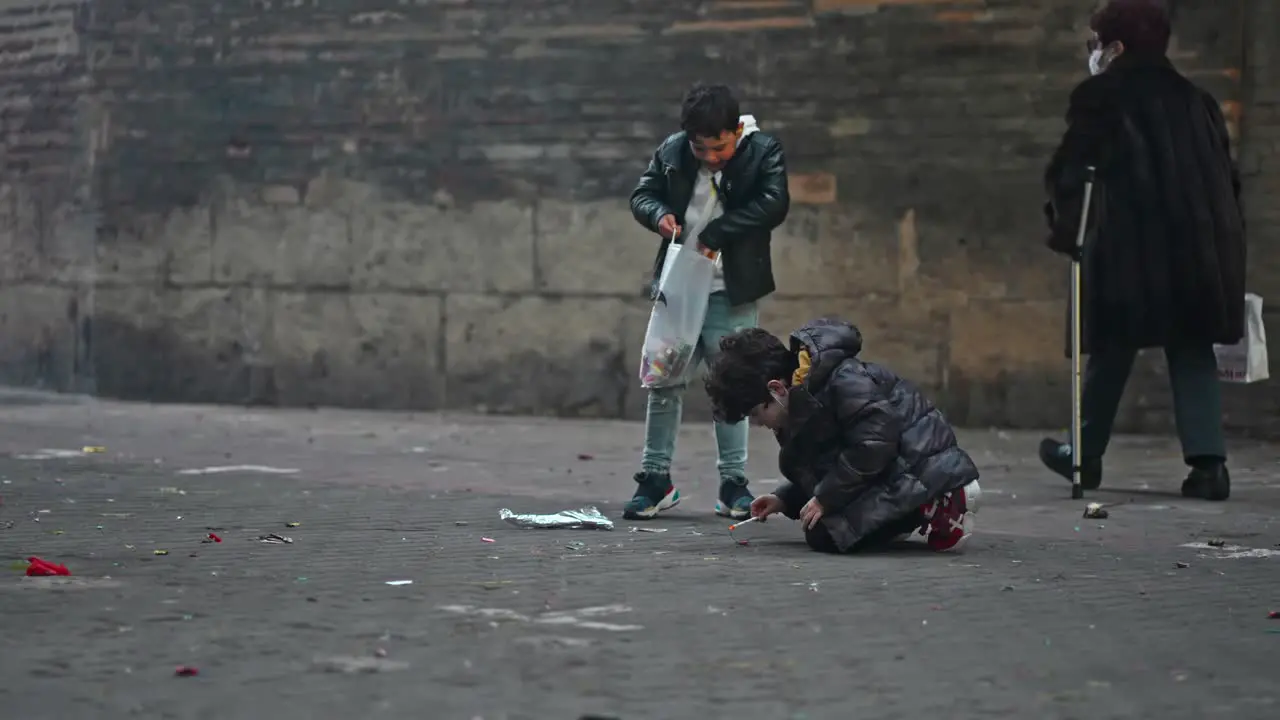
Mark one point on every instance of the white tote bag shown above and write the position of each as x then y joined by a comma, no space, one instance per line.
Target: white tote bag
1246,361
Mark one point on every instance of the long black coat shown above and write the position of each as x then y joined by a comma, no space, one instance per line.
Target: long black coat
863,441
1164,259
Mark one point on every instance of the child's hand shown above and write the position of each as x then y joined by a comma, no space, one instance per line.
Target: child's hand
668,227
810,514
764,506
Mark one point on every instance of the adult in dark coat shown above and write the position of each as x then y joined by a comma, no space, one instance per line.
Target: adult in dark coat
866,456
1164,259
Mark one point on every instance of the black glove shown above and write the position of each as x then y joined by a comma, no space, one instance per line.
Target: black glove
1072,251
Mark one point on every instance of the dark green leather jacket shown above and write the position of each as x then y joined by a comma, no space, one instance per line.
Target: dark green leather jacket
753,188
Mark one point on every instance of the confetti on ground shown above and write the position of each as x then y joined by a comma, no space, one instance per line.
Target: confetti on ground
42,568
221,469
1095,511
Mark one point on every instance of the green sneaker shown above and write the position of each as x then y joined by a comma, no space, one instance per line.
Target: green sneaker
654,493
735,498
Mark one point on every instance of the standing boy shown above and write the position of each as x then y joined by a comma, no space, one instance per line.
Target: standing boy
722,184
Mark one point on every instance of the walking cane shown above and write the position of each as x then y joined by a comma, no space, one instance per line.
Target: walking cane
1077,379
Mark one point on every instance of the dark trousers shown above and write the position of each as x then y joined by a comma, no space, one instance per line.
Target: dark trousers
1197,400
819,539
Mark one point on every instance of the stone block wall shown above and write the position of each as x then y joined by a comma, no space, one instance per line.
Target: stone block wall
1256,408
46,207
396,204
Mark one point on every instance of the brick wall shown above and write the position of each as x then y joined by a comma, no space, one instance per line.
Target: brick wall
46,194
390,204
1257,408
1253,108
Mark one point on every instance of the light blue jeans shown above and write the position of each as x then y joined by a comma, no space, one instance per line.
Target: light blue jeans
666,405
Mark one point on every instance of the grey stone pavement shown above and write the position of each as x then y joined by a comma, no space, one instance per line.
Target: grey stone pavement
1046,615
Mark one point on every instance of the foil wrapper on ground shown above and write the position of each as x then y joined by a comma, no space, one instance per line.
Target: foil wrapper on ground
587,518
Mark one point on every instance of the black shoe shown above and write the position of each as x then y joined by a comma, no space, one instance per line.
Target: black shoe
735,500
654,493
1057,457
1208,483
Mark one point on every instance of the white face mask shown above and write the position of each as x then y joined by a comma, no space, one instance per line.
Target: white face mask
780,399
1095,62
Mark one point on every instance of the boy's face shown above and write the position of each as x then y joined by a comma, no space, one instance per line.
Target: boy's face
771,414
716,152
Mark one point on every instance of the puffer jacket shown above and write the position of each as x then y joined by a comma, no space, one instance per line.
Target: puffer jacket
863,441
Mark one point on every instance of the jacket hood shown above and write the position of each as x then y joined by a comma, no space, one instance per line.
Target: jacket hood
821,346
749,127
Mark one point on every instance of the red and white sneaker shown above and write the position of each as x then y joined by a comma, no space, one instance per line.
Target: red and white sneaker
951,518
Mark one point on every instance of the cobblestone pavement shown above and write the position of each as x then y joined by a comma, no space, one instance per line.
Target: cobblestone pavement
1047,615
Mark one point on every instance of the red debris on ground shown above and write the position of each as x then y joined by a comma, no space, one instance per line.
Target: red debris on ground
42,568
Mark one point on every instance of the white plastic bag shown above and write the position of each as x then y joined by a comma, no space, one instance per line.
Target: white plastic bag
679,310
1246,361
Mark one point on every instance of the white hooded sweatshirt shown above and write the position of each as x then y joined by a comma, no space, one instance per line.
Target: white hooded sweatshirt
705,205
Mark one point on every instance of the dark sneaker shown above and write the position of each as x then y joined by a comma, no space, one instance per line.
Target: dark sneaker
735,499
1208,483
654,493
951,518
1057,457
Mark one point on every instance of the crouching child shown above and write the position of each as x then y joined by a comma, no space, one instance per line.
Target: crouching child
866,457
